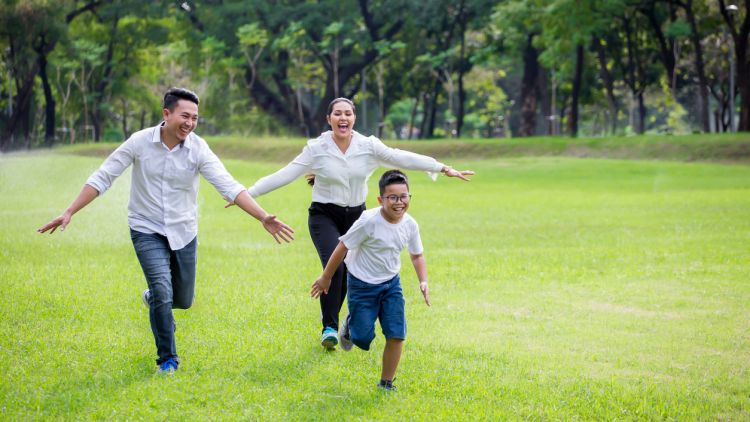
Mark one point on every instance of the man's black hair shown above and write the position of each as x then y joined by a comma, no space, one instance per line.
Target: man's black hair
392,177
175,94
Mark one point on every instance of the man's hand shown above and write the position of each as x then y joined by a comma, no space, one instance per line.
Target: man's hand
62,221
277,228
425,292
450,172
319,287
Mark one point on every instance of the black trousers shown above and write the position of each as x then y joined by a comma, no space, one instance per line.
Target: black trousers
327,222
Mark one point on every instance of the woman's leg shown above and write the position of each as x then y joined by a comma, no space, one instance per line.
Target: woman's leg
325,237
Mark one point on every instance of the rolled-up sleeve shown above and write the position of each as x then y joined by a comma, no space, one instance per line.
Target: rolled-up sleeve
113,167
300,165
217,175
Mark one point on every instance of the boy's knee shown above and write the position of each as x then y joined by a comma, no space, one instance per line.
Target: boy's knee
362,341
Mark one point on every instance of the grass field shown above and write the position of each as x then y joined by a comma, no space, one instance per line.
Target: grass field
562,288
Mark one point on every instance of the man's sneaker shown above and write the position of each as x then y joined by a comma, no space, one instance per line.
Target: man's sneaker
386,385
346,342
168,367
145,297
329,339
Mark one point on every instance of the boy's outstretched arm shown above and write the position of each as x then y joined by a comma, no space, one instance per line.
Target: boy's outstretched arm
276,227
84,198
420,265
323,282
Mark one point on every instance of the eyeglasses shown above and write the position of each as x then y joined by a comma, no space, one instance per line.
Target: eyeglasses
395,198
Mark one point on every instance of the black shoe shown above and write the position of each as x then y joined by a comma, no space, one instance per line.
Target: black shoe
387,385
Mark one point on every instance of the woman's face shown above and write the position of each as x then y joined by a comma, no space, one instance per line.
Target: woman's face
342,119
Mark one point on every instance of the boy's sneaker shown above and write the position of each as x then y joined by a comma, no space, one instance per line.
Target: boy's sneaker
145,297
346,342
386,385
329,339
168,367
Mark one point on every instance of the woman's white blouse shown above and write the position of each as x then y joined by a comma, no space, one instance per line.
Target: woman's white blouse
341,178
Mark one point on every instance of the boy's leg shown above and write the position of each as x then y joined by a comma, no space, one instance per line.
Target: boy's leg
154,256
391,357
183,265
363,311
393,323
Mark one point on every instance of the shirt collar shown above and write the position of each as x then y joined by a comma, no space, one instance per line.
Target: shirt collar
156,137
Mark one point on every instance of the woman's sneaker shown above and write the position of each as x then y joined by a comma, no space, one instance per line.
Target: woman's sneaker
346,342
329,339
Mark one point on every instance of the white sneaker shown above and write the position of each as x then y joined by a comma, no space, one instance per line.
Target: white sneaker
346,342
145,297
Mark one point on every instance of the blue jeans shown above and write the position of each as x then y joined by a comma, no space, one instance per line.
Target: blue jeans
368,302
171,279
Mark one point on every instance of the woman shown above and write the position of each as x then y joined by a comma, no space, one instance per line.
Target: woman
341,161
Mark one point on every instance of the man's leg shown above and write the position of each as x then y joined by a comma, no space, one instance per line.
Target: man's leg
154,256
183,265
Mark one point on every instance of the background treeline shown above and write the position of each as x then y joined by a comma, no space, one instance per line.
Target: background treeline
74,71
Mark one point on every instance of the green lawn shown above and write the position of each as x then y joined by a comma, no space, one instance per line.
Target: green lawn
562,289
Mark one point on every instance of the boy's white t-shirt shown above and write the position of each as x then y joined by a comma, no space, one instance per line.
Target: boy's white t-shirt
375,245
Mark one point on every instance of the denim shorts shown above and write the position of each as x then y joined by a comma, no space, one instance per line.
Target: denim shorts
368,302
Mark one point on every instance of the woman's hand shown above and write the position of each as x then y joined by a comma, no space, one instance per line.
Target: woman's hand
450,172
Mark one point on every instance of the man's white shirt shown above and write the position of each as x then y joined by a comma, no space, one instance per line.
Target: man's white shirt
164,188
341,178
375,245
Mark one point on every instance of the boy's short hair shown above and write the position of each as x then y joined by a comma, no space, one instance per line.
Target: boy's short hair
175,94
392,177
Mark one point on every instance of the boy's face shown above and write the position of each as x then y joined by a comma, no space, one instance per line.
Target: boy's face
395,202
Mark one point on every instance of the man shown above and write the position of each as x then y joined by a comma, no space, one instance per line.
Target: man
162,211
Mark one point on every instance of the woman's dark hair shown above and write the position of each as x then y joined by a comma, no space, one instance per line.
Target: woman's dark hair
176,94
340,100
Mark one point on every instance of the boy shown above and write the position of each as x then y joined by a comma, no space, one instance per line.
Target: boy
374,290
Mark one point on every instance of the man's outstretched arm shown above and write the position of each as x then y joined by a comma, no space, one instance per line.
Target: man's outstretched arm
276,227
84,198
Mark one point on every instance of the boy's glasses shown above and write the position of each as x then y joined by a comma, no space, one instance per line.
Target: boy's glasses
395,198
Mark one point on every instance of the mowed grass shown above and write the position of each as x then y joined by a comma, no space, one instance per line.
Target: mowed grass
562,289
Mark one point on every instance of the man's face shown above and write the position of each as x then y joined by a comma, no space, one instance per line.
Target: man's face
182,120
395,201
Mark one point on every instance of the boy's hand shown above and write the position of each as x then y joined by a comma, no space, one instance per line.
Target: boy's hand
425,291
320,286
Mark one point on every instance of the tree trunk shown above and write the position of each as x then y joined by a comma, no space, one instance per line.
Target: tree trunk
97,118
577,77
413,116
699,66
433,111
463,67
641,114
528,88
49,101
607,79
21,116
